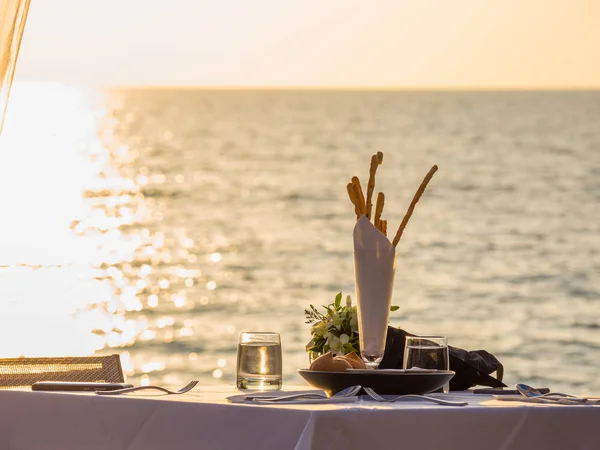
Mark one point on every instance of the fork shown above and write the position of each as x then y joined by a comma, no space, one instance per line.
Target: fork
375,396
183,390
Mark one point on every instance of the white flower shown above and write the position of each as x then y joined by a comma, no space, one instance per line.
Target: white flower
344,338
335,320
335,345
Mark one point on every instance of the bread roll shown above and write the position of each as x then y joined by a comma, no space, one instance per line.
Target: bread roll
354,360
327,363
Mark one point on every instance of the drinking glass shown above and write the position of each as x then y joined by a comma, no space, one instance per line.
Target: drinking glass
13,15
427,352
259,361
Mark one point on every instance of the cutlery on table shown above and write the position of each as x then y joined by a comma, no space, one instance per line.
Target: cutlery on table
183,390
348,392
531,392
543,400
375,396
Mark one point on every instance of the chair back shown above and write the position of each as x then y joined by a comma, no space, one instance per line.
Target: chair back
19,372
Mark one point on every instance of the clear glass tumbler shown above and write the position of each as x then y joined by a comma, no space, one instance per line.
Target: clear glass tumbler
259,361
427,352
13,16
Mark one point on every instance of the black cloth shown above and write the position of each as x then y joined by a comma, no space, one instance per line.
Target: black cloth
472,367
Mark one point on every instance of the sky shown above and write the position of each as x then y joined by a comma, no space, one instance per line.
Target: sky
343,43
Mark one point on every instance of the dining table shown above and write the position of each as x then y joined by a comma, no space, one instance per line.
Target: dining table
218,417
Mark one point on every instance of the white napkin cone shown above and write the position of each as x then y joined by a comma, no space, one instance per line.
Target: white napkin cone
374,270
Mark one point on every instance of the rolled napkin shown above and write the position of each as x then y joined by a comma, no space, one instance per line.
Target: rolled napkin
374,269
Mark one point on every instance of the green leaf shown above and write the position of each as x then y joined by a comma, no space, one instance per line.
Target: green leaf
394,308
338,299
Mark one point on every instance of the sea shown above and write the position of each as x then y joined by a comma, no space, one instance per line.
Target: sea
158,224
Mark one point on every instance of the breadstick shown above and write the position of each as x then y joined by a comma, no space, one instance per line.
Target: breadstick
361,196
353,199
359,204
384,227
411,207
371,185
378,210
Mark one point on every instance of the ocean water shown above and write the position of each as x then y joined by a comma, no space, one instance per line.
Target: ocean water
158,224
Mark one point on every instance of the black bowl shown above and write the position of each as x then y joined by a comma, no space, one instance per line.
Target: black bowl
398,382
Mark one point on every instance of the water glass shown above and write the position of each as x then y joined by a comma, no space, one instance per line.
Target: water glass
13,15
259,361
427,352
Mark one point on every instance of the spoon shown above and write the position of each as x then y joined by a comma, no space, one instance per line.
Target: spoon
347,392
531,392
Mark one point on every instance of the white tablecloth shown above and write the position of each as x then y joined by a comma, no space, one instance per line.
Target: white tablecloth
204,419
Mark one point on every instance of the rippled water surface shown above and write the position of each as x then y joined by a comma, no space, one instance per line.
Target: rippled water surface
158,224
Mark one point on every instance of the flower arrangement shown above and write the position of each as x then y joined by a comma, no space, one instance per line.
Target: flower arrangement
336,329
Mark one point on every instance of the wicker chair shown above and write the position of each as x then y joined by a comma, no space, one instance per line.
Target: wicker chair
21,372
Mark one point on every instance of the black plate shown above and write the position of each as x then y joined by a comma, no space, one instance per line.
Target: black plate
397,382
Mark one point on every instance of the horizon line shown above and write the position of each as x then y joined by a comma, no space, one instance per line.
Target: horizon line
348,88
488,88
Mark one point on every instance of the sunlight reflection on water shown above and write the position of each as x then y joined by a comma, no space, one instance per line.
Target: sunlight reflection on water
74,258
